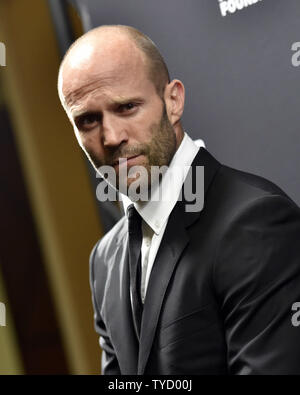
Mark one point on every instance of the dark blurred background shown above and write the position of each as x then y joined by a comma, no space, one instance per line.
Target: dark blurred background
242,99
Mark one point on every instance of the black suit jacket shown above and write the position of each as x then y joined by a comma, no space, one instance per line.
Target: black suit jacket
221,289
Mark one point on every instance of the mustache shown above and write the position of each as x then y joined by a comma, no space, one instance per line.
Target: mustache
127,153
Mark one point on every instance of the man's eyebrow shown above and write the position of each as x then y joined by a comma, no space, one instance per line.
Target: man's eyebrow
125,100
73,95
113,103
79,113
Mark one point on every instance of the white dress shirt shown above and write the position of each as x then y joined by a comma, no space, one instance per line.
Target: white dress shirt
155,213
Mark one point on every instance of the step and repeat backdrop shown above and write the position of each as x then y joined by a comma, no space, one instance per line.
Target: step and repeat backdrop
240,63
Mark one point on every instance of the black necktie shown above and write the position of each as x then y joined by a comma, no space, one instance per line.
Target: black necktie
134,258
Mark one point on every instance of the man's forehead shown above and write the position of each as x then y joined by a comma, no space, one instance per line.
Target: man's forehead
80,107
79,88
100,70
113,87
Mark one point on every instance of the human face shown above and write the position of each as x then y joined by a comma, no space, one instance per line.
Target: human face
118,114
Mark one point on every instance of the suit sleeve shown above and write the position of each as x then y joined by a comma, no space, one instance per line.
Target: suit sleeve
257,278
109,362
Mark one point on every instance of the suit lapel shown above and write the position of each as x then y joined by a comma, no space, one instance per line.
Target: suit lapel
174,241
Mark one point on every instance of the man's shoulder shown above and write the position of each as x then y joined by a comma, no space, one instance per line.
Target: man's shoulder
252,181
258,241
242,188
235,195
107,244
232,185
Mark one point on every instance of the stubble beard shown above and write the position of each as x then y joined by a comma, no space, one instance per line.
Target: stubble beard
158,152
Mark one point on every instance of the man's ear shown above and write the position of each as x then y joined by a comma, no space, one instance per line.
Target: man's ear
174,99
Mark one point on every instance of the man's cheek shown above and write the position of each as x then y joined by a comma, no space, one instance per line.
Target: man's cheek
94,155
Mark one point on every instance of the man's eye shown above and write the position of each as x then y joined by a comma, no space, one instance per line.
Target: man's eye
127,107
88,121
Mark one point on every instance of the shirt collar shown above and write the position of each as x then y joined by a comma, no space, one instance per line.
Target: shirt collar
156,212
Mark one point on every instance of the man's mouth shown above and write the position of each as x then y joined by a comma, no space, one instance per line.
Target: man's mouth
130,160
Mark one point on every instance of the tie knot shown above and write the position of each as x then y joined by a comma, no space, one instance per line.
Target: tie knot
134,220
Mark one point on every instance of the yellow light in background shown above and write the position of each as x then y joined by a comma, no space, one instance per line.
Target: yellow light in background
10,359
55,173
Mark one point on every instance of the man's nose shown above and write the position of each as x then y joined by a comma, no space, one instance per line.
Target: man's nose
113,133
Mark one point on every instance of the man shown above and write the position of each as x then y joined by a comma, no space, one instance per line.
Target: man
206,291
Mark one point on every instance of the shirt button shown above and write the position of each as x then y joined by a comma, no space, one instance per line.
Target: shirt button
156,224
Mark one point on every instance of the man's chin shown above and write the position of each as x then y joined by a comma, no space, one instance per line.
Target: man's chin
136,190
138,187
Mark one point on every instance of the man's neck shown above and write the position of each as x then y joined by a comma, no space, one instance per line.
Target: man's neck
179,133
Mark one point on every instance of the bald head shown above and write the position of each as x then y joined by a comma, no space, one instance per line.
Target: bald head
115,88
122,45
